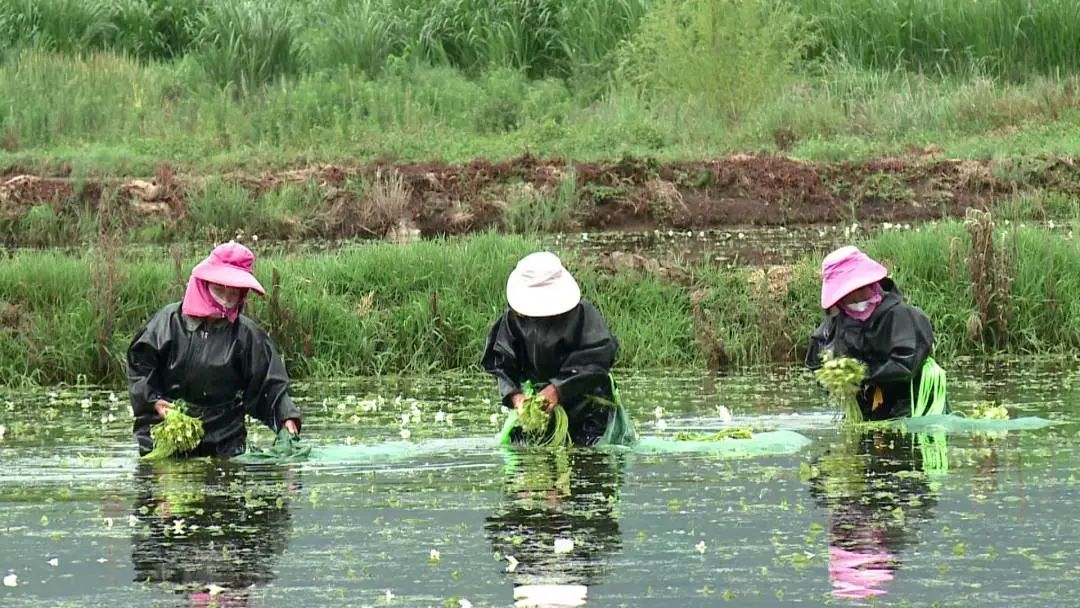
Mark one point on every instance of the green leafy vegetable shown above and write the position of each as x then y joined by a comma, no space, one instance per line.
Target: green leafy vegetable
176,434
842,376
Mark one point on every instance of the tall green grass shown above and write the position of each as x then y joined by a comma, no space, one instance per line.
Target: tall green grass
63,110
1012,38
427,306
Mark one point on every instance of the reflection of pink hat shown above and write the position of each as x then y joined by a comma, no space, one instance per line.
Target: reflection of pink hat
230,264
845,270
859,575
541,287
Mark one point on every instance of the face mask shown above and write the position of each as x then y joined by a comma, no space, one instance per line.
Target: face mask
858,306
216,294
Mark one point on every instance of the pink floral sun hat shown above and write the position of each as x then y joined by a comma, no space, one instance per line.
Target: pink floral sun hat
230,264
845,270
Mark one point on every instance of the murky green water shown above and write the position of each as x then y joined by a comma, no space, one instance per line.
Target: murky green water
881,519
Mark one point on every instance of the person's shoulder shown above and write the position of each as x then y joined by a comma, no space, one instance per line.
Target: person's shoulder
166,312
248,325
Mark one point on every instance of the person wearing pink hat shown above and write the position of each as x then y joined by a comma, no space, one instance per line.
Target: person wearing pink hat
202,350
867,319
551,337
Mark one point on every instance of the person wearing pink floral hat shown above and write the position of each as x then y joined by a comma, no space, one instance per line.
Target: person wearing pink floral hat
202,350
867,319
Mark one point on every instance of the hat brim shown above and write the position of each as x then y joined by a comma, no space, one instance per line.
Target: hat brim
229,276
835,290
555,298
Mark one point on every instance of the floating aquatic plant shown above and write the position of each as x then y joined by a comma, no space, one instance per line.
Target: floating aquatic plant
176,434
842,376
989,410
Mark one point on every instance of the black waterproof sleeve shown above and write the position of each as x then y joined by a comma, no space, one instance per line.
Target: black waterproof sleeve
588,366
146,357
819,342
500,359
906,337
267,394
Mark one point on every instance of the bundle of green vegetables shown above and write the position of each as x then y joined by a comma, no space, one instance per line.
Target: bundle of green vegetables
842,377
540,428
176,434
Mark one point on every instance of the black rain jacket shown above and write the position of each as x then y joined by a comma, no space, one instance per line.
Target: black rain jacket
223,370
893,343
573,351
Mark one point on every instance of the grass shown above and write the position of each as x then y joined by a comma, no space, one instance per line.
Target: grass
1006,37
247,84
427,306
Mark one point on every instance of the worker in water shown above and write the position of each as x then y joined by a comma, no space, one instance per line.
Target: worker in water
552,339
867,319
204,351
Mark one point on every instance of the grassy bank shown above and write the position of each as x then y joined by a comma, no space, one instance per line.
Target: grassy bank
117,86
427,306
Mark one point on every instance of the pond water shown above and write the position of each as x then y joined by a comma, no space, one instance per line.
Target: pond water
443,518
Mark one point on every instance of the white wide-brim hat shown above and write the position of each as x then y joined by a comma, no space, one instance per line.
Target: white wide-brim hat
540,287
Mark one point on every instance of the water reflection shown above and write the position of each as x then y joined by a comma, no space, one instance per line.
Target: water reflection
557,523
210,528
876,487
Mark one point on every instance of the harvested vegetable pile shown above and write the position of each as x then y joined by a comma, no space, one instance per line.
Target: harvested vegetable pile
842,376
176,434
733,433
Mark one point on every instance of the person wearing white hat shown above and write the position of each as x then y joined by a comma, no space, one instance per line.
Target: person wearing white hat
551,337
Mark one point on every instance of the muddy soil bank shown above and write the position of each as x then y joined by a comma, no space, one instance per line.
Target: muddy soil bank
525,194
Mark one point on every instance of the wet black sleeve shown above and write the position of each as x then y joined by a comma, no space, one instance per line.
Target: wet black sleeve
819,342
500,359
267,395
904,343
146,357
588,366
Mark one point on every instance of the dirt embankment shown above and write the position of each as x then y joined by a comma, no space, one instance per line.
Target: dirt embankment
380,199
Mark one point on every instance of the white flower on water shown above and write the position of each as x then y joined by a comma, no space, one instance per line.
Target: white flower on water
389,596
700,547
178,526
440,416
11,580
564,545
213,589
511,563
406,433
464,603
133,521
434,555
724,413
54,562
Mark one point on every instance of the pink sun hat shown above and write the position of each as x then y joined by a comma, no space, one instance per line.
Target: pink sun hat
230,264
845,270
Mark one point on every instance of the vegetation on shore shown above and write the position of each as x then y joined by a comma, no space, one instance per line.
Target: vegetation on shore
427,306
117,86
